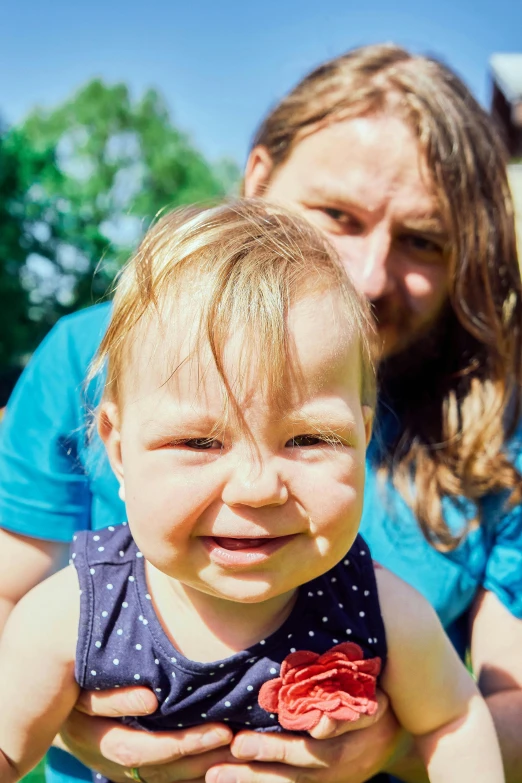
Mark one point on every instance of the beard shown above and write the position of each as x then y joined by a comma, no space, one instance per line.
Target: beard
421,361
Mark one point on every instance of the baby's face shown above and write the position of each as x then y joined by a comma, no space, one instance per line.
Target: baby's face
245,519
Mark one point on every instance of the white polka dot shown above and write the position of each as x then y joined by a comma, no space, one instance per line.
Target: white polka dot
138,554
354,587
203,714
189,688
362,552
101,549
156,661
125,604
121,553
131,579
173,675
96,538
119,631
311,633
227,704
250,687
341,606
93,673
226,719
366,593
140,618
70,561
263,641
98,689
272,715
109,586
111,528
292,649
74,538
98,776
97,644
335,641
180,725
249,707
325,619
233,679
173,660
346,562
361,614
145,622
370,641
80,592
138,646
375,640
92,571
147,596
212,674
221,665
289,636
73,555
333,579
310,595
137,676
273,671
105,614
319,592
124,524
158,690
116,661
348,631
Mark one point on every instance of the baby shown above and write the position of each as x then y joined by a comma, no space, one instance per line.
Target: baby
237,407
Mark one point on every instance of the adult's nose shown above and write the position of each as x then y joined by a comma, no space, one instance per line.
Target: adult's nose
369,262
255,482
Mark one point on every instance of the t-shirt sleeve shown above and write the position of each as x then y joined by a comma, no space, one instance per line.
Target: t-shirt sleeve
503,575
44,491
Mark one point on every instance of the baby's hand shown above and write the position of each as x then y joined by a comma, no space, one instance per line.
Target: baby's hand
328,728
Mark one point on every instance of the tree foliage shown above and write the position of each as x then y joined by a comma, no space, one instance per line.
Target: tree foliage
78,186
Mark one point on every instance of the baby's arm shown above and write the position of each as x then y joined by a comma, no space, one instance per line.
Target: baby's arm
432,694
37,685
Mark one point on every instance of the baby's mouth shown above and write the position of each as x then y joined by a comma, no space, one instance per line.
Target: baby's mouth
235,544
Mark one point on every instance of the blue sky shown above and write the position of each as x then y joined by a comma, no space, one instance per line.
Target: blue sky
220,65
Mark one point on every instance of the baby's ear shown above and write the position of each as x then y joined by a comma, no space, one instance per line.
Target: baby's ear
368,422
109,431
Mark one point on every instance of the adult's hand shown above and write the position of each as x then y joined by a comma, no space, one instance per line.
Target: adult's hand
363,749
112,749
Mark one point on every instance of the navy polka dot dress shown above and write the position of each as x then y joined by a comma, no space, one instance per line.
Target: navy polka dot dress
122,643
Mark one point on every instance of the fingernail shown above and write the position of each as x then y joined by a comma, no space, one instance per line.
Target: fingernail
246,747
215,737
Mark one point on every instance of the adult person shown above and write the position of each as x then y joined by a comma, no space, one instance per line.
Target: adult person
391,156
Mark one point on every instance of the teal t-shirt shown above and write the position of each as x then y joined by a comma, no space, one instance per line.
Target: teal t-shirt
55,479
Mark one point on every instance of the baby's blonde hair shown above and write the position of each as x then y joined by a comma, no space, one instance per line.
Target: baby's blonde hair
242,264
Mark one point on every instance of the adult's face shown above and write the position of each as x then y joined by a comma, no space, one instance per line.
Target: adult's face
364,183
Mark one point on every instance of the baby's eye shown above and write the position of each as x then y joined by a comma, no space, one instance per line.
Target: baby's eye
201,444
301,441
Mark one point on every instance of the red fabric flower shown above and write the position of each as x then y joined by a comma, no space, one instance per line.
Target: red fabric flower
339,683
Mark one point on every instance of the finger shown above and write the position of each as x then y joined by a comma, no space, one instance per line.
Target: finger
326,728
132,748
252,773
186,769
118,702
282,748
129,747
362,722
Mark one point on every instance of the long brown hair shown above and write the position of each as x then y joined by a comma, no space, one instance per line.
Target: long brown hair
460,407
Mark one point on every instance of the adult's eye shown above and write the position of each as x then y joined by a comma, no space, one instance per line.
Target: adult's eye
344,220
301,441
422,245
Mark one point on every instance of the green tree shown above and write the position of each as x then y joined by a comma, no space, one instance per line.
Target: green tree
86,180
